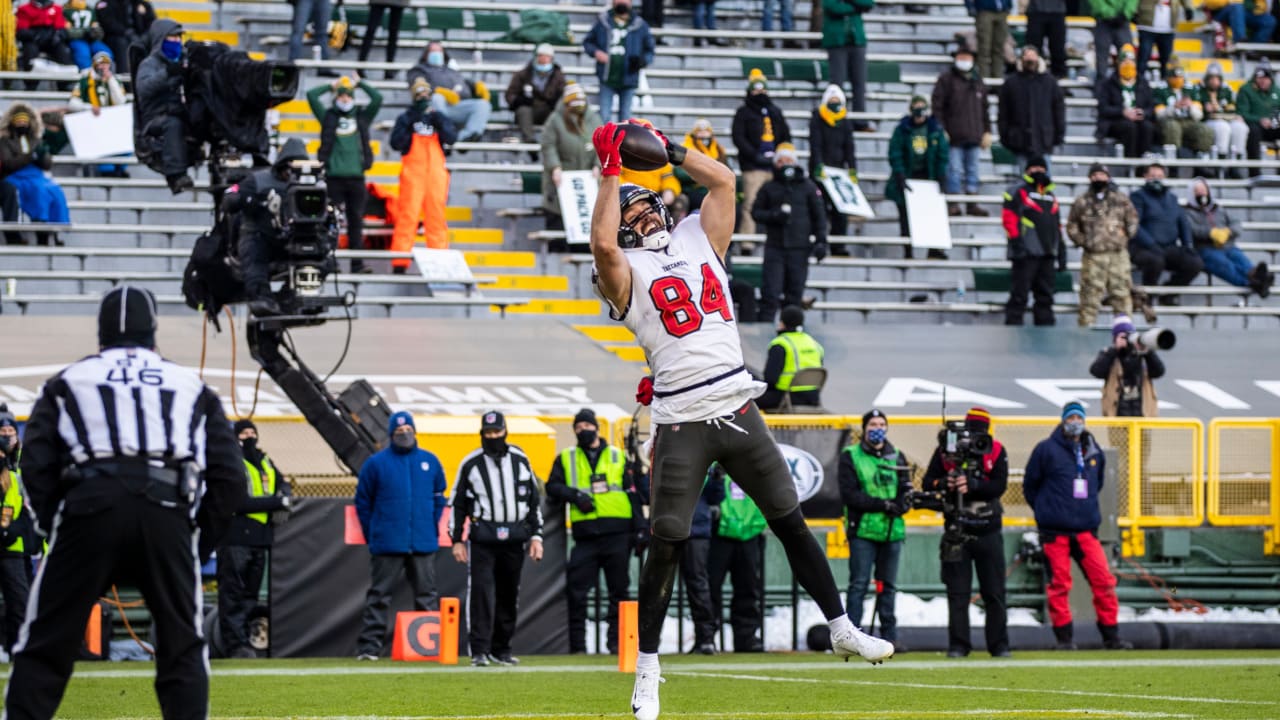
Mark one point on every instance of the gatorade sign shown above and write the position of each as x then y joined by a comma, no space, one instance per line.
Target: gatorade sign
430,636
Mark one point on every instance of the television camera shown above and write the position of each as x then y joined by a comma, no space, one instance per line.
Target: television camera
962,451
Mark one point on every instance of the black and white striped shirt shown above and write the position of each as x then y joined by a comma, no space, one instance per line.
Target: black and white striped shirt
500,490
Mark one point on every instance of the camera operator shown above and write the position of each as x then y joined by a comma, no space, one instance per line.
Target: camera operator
161,111
1127,372
258,200
971,483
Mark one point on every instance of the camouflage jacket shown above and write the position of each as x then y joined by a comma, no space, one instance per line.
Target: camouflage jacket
1102,224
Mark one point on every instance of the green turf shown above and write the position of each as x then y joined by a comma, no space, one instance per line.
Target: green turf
1216,685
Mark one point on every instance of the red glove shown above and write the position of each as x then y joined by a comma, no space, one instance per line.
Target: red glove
675,153
644,391
608,142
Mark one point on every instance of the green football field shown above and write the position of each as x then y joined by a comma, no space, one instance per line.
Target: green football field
1210,685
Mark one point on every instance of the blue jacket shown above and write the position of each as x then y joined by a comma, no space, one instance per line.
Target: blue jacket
1050,475
1161,222
399,500
976,6
639,47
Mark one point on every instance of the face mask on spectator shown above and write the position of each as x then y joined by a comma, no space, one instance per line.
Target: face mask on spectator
344,104
834,107
1202,200
788,171
587,438
875,436
171,49
622,9
1176,82
1029,65
918,112
1155,186
964,66
1099,186
542,67
20,129
404,442
1128,71
705,140
1073,428
1040,178
435,58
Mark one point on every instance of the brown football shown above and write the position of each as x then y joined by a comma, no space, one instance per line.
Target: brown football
641,149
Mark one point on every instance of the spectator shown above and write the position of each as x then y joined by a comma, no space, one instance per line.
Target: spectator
124,22
703,139
566,145
465,103
960,103
1032,115
23,162
399,502
1033,226
1157,21
791,351
18,541
1163,240
242,558
420,135
1127,372
346,151
1253,23
758,128
978,545
1063,478
1047,21
737,550
1110,30
918,150
1230,132
991,20
790,209
1215,232
831,149
693,568
394,10
498,492
1101,223
704,18
41,29
1180,115
1259,105
785,10
653,13
845,40
84,32
875,484
159,112
314,13
534,91
1126,107
97,88
622,46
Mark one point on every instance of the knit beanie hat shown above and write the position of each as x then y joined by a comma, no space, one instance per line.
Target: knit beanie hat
1036,161
756,80
586,415
833,92
1073,408
1121,325
574,95
344,87
978,419
1099,168
784,150
544,49
919,100
7,418
420,88
873,413
243,424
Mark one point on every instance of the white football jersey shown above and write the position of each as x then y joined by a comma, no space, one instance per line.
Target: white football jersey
682,314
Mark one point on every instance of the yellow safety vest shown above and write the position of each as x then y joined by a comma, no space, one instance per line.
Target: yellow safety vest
800,351
257,486
614,503
13,499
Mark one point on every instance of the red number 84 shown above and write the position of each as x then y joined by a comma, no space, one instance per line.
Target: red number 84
673,298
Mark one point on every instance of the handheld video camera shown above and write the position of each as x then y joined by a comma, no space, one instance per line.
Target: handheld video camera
962,450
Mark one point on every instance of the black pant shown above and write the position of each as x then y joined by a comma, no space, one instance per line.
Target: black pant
384,573
1182,263
785,272
119,45
986,554
240,571
1037,275
1136,136
653,12
610,554
9,212
15,584
43,41
742,561
1052,26
135,542
693,571
495,587
1253,144
350,192
375,22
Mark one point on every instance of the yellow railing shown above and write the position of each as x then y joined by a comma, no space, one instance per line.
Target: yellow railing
1244,475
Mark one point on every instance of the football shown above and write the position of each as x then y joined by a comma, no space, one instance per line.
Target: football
641,149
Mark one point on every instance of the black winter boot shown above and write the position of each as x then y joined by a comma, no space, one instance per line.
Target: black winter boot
1111,638
1064,635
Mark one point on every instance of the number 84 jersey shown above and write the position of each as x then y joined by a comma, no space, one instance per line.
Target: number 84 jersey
682,315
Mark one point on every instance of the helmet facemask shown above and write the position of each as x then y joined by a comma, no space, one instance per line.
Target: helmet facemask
630,236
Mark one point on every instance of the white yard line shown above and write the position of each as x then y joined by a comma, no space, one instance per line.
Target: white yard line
1065,713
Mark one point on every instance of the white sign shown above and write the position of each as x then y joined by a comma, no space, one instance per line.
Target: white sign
104,135
442,266
845,194
806,471
577,201
927,214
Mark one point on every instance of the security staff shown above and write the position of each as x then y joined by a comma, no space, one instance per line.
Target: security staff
791,351
242,559
497,490
133,472
591,478
15,531
737,550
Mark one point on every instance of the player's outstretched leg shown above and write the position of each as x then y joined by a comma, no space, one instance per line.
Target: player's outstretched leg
656,580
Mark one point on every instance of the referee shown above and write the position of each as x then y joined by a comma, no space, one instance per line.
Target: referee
131,467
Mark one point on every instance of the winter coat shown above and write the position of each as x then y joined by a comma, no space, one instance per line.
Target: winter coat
1223,96
1114,10
401,139
976,6
1253,104
125,18
566,145
1111,105
960,100
758,127
107,94
30,19
1146,13
639,47
1203,218
1101,225
1049,479
1032,117
831,145
1032,222
442,77
545,98
1161,222
157,82
1111,366
937,156
15,154
808,215
399,500
842,22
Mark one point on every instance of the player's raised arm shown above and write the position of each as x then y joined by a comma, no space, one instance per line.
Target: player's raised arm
614,272
719,208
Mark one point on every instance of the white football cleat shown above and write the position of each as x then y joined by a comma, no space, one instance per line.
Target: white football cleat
855,642
644,698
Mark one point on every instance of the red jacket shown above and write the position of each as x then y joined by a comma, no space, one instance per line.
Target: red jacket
31,16
1032,222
